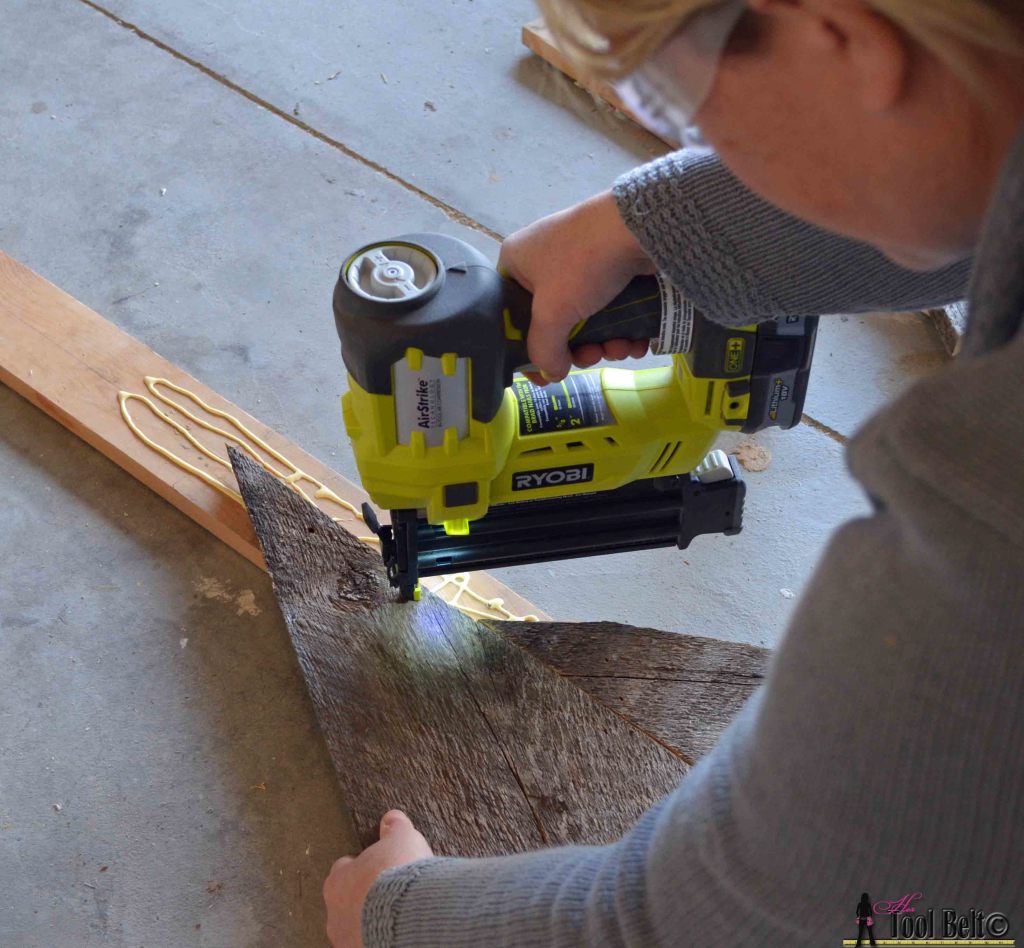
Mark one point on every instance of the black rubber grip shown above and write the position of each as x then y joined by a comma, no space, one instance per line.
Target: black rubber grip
634,314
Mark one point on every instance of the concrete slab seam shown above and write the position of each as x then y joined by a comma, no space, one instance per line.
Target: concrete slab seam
459,217
824,429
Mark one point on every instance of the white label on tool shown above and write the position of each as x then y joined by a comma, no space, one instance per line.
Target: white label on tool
429,401
676,331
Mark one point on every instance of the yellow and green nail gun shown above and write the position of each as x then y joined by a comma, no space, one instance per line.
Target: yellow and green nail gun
481,468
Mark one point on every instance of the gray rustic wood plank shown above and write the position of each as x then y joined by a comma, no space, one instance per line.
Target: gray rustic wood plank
488,749
687,717
683,690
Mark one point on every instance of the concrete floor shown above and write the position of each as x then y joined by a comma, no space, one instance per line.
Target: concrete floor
162,781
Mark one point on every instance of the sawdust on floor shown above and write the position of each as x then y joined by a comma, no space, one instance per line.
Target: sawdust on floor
212,588
246,603
752,456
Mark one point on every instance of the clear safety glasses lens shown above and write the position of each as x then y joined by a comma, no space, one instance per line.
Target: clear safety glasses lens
666,92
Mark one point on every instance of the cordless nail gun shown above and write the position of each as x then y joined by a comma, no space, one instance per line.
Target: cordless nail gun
481,468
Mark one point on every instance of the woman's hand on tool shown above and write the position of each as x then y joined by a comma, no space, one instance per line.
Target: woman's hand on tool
351,878
574,262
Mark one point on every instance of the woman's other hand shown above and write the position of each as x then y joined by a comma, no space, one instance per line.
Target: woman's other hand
351,878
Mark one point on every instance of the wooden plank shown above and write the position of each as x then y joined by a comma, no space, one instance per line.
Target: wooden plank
681,689
71,362
489,750
537,38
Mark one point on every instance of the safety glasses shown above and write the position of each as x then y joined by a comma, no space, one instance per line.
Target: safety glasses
667,90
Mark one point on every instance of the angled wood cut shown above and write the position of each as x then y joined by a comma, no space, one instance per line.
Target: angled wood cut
488,748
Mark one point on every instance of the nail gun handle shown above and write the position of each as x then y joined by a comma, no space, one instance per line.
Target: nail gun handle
634,314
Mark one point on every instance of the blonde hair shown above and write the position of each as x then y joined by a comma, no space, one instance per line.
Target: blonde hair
610,38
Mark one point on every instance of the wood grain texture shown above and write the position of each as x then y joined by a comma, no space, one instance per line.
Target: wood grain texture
537,38
683,690
71,362
487,748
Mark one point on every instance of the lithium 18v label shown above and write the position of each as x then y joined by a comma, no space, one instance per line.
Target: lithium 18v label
553,477
576,402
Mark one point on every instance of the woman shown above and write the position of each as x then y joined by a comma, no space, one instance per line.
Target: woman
868,156
865,919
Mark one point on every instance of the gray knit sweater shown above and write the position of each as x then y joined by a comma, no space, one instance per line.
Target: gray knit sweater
885,751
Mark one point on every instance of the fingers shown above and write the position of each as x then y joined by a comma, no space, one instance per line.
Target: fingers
547,343
613,350
541,342
586,356
574,262
509,268
617,349
335,880
548,348
351,878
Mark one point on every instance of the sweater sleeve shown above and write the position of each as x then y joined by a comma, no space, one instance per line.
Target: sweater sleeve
743,260
840,776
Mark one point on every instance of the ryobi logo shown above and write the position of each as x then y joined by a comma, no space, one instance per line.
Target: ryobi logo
553,477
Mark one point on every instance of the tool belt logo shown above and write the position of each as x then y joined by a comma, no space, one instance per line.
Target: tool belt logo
553,477
911,924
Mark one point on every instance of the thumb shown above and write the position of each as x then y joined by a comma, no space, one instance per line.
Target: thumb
548,341
394,821
400,841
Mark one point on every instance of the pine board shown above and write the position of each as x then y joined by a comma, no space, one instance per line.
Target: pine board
71,362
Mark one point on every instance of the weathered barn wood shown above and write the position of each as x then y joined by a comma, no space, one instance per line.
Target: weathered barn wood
681,689
489,749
